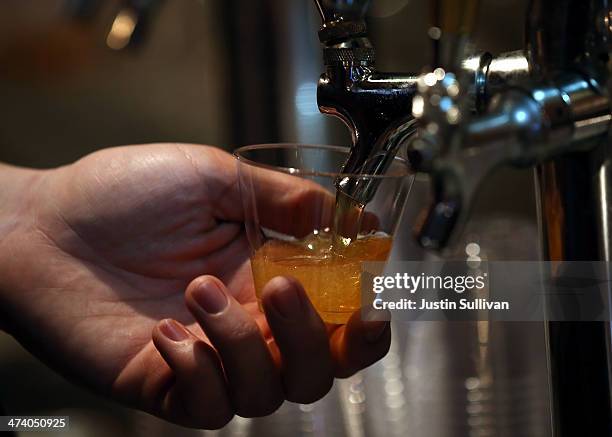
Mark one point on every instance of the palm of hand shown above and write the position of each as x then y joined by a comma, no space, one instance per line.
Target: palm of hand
133,230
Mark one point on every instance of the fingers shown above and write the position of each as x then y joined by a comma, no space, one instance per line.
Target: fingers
301,337
285,203
253,379
253,385
359,344
199,396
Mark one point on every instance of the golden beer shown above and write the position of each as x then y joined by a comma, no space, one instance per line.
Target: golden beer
329,273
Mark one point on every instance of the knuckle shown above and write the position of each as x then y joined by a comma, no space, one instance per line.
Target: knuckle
244,330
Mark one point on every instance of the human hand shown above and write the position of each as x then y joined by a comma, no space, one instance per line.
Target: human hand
101,266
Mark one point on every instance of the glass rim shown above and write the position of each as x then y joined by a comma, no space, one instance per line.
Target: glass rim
239,155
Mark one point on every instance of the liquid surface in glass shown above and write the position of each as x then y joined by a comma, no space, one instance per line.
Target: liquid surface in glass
329,273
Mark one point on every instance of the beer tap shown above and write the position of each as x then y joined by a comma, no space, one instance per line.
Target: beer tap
562,106
557,119
376,106
373,105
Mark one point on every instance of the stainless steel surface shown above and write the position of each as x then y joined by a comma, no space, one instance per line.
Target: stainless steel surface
559,119
574,208
572,228
478,379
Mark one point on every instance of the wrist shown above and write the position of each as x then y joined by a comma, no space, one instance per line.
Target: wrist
19,191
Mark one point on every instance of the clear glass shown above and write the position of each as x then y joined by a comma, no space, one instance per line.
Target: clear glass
289,199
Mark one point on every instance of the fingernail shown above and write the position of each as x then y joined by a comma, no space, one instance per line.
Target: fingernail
173,330
210,297
285,298
375,330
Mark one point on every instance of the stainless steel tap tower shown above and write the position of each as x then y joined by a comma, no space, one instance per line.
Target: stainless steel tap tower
547,105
